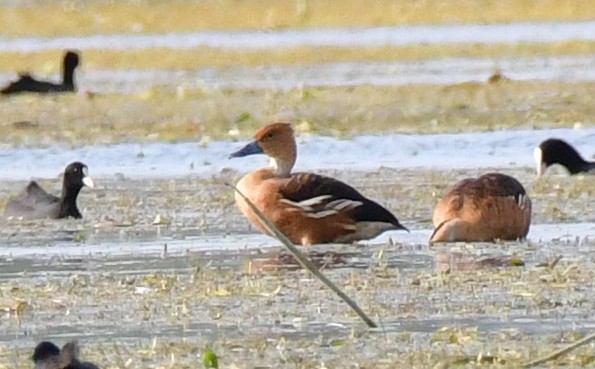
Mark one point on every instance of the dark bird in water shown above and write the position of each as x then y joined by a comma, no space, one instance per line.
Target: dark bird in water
48,356
555,151
35,203
26,83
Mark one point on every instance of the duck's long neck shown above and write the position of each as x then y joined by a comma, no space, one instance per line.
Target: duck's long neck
68,74
68,206
282,163
281,168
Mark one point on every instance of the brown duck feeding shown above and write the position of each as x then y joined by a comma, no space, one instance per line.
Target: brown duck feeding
492,207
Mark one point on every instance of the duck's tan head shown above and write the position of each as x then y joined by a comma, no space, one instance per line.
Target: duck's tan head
277,141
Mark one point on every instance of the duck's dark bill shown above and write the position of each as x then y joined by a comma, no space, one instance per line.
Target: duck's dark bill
250,149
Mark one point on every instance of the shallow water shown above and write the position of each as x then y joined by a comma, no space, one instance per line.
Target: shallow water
137,260
342,37
108,281
497,149
111,245
433,71
440,71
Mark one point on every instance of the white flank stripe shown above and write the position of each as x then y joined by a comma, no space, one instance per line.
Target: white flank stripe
314,200
321,214
342,204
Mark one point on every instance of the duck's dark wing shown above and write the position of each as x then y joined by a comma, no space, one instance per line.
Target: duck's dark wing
33,202
325,193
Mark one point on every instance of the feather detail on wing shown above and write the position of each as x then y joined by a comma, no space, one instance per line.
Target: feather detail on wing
318,207
319,196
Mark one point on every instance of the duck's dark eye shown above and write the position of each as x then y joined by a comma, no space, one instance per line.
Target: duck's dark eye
270,135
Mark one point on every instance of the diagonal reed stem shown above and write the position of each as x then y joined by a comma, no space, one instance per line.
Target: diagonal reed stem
553,356
305,262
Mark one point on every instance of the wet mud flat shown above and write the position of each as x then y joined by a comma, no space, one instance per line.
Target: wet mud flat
111,282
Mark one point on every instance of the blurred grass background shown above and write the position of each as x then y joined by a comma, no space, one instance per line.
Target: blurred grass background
54,18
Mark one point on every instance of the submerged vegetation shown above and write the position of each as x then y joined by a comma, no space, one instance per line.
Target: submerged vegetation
256,318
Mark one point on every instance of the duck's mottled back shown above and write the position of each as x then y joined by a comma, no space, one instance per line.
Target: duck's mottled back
489,185
493,206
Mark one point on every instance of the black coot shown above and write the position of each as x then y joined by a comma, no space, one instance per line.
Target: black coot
48,356
26,83
556,151
35,203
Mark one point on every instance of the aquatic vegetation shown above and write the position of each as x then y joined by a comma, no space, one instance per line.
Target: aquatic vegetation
335,111
200,288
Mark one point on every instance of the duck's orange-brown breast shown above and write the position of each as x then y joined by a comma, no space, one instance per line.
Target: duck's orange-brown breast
265,190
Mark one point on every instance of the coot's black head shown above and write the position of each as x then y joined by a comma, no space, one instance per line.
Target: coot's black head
45,350
71,59
557,151
76,175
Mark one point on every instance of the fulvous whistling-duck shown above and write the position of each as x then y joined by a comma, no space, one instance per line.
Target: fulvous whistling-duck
35,203
26,83
556,151
307,207
48,356
491,207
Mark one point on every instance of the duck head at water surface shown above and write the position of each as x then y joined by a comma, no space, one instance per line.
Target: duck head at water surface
308,208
